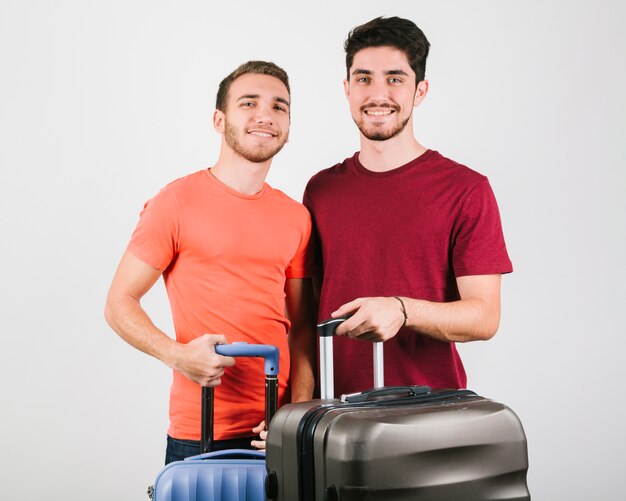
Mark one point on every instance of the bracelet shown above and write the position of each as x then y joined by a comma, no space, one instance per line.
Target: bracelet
403,310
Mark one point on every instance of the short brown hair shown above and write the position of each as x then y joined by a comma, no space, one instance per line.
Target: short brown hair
260,67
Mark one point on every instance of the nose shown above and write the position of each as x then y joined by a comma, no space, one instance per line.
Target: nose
263,114
379,91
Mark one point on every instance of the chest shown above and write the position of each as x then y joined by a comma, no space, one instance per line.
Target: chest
384,214
238,234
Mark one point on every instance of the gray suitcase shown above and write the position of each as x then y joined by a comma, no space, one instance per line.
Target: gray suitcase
394,443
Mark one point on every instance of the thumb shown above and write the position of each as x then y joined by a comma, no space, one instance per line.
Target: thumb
347,308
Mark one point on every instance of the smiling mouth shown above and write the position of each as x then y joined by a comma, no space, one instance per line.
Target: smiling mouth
373,113
261,133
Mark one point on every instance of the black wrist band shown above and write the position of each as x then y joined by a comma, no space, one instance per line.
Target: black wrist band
403,310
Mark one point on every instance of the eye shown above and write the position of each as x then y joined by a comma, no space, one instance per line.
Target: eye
395,80
363,79
280,108
247,104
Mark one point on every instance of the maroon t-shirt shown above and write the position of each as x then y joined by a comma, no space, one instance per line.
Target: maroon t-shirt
406,232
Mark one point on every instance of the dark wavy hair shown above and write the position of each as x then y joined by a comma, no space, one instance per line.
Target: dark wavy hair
260,67
394,32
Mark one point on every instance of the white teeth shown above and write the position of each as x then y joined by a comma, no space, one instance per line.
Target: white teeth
262,134
378,113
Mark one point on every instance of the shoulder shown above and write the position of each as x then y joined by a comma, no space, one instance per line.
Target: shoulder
284,202
329,175
185,183
461,174
184,190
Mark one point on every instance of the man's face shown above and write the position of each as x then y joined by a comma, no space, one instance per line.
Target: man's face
256,120
382,92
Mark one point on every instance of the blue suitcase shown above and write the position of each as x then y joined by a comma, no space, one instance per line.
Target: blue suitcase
231,475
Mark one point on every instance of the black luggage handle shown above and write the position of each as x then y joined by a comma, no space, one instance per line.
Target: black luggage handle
270,355
405,391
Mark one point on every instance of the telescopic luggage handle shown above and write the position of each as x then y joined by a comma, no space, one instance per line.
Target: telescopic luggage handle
270,355
326,330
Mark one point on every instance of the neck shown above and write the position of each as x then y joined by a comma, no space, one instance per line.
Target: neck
240,174
383,156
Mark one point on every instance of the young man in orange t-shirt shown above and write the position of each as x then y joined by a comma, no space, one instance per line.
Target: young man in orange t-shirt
234,255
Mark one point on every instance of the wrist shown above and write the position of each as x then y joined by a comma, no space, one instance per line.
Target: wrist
405,317
168,351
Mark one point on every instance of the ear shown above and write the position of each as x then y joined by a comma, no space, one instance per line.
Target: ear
219,121
420,92
346,88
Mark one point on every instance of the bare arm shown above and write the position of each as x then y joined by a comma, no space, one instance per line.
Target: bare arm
196,360
475,316
299,303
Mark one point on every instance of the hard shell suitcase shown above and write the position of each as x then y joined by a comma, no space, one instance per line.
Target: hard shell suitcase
231,475
394,443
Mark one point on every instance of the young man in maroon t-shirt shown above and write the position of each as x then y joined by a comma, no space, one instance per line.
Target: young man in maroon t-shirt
410,242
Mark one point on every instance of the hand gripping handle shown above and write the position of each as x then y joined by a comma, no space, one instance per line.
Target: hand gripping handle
326,330
270,355
268,352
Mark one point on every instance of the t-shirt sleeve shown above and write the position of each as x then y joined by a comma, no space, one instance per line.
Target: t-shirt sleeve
479,247
155,239
301,266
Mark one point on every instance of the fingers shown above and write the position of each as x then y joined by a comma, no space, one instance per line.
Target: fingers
219,360
212,383
215,338
199,362
262,432
260,428
373,319
347,308
351,328
259,444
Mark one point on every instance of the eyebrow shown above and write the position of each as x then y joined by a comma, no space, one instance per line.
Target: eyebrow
257,96
360,71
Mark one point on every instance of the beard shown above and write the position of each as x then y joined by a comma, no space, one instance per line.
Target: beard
257,155
374,133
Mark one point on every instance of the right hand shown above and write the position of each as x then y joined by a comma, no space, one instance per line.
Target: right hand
198,362
260,430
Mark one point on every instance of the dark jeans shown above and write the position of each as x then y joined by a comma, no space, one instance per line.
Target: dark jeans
179,449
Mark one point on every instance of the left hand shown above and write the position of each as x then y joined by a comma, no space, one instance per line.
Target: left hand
262,431
373,318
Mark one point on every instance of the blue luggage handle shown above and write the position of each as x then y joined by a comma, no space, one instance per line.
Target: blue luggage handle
230,454
270,355
268,352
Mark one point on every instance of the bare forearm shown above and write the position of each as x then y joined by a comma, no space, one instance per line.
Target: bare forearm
126,317
469,319
302,352
475,316
195,360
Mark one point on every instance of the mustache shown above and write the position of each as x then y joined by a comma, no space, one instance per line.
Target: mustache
392,106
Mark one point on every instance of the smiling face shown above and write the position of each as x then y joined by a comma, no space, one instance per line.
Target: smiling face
382,92
255,122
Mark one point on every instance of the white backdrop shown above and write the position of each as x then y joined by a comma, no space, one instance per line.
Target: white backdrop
104,102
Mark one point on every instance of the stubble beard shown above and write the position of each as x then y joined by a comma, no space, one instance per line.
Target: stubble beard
381,135
256,155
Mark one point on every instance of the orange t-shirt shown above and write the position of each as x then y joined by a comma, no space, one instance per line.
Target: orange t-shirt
225,257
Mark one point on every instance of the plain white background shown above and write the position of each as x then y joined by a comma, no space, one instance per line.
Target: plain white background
102,103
